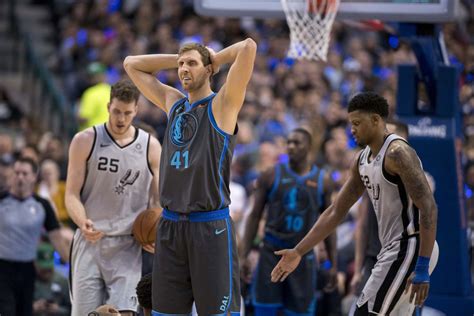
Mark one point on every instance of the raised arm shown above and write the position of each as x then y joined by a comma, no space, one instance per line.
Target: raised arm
79,150
403,161
142,69
230,98
154,154
325,225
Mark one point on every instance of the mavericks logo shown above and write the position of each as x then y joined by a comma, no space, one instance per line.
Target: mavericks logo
183,129
296,200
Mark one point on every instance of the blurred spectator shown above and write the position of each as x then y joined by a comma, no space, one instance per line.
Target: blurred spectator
94,100
51,295
10,114
6,147
6,174
51,188
52,147
31,152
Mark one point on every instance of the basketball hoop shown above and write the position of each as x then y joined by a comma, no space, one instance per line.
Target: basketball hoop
310,23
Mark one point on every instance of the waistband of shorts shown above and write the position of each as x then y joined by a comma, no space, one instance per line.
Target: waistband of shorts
202,216
276,242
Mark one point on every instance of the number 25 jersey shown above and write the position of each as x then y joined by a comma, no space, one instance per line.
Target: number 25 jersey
117,183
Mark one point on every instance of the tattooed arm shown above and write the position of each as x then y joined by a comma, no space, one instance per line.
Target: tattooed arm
403,161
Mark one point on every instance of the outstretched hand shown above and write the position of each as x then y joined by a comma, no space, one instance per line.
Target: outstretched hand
215,66
290,259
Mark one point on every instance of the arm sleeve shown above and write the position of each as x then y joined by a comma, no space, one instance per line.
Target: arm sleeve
50,220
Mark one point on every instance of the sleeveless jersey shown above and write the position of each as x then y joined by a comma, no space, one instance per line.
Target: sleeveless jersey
117,182
397,216
195,159
294,204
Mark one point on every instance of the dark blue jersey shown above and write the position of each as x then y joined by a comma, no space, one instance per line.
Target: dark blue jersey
294,204
195,159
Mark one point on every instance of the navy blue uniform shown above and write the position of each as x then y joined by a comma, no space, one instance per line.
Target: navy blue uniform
293,205
196,255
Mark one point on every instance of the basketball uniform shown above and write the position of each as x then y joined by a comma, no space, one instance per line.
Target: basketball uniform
196,254
115,190
398,226
293,206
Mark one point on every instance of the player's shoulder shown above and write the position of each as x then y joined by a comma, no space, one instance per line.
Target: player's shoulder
153,143
400,154
357,158
84,140
399,149
86,135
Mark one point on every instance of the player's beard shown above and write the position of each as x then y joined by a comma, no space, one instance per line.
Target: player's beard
121,131
196,84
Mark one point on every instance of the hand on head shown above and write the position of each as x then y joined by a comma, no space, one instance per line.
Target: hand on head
215,66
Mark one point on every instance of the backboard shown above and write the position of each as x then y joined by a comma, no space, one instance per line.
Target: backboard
430,11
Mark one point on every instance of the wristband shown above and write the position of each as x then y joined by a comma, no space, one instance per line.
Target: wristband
422,270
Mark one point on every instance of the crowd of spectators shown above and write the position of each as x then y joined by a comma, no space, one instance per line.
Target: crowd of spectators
283,94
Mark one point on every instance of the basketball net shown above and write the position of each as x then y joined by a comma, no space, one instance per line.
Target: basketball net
310,23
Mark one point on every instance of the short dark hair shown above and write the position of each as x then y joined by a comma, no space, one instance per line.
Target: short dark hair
305,133
144,291
31,162
369,102
201,49
125,91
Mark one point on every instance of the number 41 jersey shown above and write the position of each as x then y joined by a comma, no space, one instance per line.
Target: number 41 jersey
397,216
195,159
117,183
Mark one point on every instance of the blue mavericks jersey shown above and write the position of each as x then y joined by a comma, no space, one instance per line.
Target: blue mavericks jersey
195,159
294,204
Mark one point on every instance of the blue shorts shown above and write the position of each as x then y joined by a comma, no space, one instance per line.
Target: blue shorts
296,294
196,260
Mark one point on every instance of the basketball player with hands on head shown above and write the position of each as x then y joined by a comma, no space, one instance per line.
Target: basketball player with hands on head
112,176
196,256
293,195
391,172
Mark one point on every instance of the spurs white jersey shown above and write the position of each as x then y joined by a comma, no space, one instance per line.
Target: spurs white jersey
117,183
397,216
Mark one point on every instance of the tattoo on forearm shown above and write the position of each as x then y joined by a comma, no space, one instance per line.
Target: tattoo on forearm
426,219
